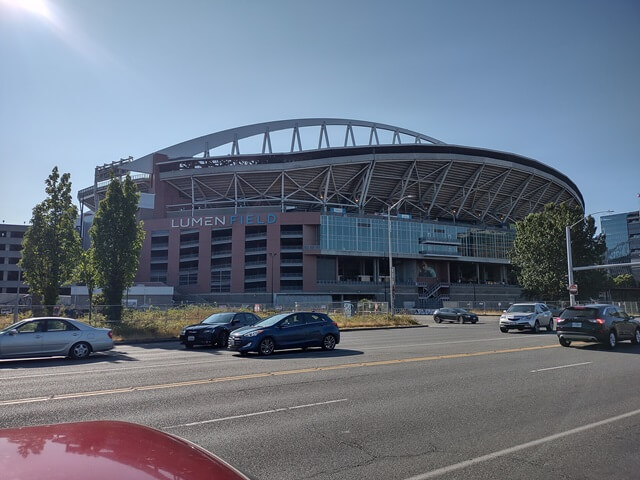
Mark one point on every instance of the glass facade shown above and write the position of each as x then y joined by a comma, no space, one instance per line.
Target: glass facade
617,236
369,236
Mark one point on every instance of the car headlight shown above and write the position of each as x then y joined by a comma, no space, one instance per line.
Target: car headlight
183,331
503,317
254,333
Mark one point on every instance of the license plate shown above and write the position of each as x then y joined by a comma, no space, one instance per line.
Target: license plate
576,324
191,338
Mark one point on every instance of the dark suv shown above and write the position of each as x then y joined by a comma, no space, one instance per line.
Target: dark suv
602,323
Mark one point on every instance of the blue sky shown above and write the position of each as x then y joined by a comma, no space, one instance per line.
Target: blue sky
87,82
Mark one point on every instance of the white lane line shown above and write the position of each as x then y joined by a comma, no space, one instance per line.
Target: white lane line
561,366
112,370
517,448
452,342
265,412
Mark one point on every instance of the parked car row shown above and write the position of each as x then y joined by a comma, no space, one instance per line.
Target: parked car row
246,332
239,331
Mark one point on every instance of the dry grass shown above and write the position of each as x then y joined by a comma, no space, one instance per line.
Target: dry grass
159,324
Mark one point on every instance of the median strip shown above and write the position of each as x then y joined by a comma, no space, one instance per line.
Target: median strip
251,376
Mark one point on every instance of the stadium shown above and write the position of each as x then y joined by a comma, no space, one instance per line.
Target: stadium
315,210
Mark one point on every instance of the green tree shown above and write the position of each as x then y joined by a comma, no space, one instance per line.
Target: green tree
624,280
539,254
51,245
117,239
86,273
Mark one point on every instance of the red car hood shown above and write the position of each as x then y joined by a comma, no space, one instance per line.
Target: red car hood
105,450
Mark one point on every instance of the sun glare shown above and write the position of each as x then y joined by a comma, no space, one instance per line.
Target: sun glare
38,7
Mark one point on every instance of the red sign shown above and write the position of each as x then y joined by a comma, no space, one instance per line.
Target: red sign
573,289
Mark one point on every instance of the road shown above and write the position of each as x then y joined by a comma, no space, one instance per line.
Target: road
448,401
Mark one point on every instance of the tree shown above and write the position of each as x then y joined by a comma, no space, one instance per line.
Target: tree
51,245
539,253
117,240
86,273
624,280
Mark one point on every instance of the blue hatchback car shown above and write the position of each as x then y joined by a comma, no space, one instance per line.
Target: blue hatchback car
286,330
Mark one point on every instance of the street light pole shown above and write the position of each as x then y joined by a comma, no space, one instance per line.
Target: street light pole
572,296
390,255
273,301
15,312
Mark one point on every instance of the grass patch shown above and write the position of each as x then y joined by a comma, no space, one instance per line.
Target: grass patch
156,324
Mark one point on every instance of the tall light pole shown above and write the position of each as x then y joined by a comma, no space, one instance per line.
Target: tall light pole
572,296
390,255
273,300
16,311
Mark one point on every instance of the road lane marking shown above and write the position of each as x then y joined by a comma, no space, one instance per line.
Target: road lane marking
517,448
264,412
250,376
102,370
561,366
453,342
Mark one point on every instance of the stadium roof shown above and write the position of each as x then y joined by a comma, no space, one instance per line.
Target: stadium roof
357,166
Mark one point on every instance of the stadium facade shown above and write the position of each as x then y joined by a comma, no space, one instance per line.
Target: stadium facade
301,209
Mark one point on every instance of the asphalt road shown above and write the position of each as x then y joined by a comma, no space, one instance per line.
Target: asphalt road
448,401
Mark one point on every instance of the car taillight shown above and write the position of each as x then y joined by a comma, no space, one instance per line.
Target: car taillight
559,320
334,323
110,335
599,321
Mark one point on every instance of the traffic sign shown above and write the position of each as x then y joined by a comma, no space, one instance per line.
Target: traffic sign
573,289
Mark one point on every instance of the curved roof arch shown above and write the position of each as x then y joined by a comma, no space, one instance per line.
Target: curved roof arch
205,143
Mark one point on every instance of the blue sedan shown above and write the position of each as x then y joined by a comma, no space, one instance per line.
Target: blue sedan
286,330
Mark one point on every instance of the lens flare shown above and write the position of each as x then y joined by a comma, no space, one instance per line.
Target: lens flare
37,7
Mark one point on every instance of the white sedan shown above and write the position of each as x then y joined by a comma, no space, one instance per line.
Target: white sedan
53,336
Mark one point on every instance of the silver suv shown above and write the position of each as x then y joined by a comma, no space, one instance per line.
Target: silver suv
526,316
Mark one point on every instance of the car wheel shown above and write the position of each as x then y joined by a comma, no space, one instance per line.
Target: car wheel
550,326
80,350
223,339
504,330
636,337
612,340
266,346
474,321
536,327
564,342
328,342
437,319
188,346
460,320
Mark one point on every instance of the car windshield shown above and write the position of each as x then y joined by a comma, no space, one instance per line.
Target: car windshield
219,318
271,321
573,312
521,309
11,327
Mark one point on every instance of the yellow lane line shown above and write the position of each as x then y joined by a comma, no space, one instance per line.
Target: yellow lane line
206,381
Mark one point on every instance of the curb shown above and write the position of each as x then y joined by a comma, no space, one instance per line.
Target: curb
347,329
